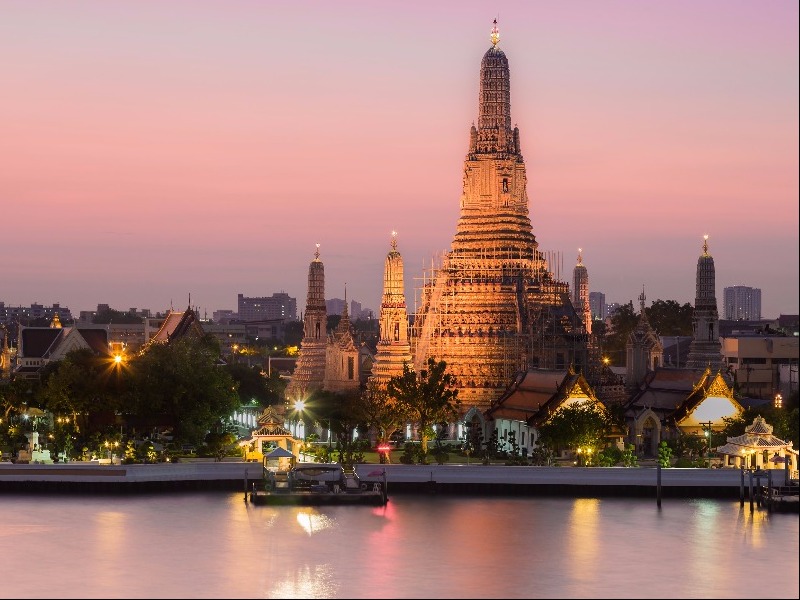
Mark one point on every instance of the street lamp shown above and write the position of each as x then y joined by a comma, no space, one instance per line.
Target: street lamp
778,401
299,405
707,432
110,448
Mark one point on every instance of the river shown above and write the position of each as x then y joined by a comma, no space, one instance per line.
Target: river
215,545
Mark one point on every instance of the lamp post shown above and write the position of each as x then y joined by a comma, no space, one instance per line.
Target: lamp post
707,432
299,405
778,401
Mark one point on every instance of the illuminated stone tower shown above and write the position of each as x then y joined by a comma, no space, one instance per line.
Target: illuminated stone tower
705,349
492,308
394,349
309,372
580,292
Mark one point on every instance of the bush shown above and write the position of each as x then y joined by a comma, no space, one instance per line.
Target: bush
664,455
412,454
441,457
609,457
629,458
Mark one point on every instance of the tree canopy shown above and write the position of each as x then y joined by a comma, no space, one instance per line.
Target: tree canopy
427,398
583,424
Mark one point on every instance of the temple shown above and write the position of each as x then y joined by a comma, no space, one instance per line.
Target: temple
705,350
492,307
394,347
309,373
580,292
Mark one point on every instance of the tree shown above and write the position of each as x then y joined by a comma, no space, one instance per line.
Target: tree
577,425
252,384
81,383
670,318
183,383
14,396
383,412
623,321
428,397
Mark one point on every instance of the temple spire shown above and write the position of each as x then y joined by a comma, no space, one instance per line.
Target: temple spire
580,257
642,298
394,241
705,245
495,36
316,254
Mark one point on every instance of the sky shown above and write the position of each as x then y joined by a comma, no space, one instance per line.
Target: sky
155,151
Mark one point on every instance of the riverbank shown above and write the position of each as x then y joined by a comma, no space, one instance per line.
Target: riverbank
444,479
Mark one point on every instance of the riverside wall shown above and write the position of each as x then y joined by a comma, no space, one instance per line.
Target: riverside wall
443,479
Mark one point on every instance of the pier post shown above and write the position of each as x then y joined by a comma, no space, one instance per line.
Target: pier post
750,494
741,489
658,484
769,490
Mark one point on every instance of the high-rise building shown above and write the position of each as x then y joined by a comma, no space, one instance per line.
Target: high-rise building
492,307
597,305
705,349
277,306
742,303
580,292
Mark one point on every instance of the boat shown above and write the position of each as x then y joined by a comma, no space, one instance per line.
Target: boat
318,484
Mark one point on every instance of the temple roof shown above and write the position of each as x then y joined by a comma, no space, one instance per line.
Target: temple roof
271,424
178,325
757,436
537,393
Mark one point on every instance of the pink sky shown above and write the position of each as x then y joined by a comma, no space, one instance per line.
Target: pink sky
152,150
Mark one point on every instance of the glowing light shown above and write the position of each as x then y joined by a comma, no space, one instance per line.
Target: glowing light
117,358
299,405
495,34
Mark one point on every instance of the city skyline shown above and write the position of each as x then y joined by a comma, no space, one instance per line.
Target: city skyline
160,150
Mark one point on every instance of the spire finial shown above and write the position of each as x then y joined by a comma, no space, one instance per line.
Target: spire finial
316,254
580,257
495,35
394,240
705,245
642,298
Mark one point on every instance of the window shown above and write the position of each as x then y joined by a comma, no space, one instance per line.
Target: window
350,367
505,185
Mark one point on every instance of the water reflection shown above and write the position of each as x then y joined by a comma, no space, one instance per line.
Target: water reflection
212,545
306,582
313,522
582,546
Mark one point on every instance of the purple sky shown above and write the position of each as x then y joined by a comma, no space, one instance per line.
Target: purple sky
152,150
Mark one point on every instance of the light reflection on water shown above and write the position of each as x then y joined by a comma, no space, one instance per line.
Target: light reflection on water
214,545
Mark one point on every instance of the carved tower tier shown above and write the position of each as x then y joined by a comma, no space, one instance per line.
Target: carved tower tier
394,348
705,350
309,372
492,307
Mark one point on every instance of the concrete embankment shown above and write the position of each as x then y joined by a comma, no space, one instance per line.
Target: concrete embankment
568,481
445,479
88,477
